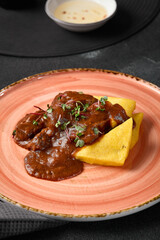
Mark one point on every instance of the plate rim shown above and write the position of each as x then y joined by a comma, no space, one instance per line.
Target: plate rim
85,218
63,70
92,217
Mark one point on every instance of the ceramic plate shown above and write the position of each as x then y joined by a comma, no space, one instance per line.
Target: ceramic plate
98,193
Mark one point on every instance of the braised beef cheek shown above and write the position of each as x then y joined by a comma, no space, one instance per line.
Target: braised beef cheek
52,135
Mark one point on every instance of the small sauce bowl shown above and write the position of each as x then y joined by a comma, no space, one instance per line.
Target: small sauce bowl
110,7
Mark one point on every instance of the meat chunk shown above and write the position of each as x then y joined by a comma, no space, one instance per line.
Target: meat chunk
41,140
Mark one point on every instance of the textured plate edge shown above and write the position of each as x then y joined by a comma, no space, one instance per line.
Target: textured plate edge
92,217
79,69
85,218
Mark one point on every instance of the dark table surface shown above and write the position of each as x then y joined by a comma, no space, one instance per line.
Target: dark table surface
138,55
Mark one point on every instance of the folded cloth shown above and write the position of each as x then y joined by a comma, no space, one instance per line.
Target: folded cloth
15,221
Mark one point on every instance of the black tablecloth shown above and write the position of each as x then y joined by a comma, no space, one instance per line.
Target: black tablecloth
30,32
139,55
15,221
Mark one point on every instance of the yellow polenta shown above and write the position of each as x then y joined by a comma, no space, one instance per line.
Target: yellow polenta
112,149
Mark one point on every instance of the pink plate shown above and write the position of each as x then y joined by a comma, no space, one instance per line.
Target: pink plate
99,192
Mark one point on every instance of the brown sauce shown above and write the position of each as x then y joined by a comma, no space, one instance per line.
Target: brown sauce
52,136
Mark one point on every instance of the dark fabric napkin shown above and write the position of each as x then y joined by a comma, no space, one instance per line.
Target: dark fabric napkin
30,32
15,221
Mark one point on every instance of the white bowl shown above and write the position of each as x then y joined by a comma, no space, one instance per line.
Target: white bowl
109,5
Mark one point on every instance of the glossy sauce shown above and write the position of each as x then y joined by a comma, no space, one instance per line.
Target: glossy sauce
80,11
52,136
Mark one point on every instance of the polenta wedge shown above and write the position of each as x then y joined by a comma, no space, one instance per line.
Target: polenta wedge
112,149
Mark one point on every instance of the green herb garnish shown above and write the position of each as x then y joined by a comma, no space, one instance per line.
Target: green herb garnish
100,109
14,133
79,143
96,131
64,125
83,117
103,100
50,109
79,134
64,106
58,123
85,107
80,103
68,107
76,111
45,116
35,122
80,128
76,139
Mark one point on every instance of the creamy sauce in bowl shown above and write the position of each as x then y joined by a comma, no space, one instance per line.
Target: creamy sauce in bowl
80,11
